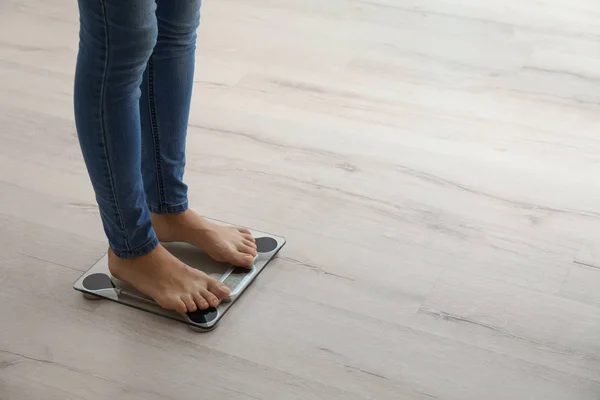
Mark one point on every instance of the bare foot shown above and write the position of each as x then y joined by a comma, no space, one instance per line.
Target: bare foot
171,283
222,243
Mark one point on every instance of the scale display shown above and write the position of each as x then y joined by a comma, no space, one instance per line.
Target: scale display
236,277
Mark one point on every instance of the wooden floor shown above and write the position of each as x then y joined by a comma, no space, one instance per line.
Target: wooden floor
433,164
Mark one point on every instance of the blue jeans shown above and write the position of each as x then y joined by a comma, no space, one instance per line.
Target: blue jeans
133,88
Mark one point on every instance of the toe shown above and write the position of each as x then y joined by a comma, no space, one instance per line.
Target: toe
249,243
189,302
210,298
249,237
243,259
244,230
174,304
218,289
171,303
200,301
247,249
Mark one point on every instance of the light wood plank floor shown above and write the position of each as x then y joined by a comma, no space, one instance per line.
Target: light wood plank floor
433,164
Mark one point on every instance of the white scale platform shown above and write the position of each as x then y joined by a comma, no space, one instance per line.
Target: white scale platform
97,283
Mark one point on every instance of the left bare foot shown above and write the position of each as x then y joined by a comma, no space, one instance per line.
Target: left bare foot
222,243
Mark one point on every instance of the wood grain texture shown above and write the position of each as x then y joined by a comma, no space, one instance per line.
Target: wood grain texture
433,166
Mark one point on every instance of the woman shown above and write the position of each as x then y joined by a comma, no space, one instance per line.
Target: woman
133,87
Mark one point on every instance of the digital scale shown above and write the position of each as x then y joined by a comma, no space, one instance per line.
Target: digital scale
97,282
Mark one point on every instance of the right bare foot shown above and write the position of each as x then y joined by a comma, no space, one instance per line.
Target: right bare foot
170,282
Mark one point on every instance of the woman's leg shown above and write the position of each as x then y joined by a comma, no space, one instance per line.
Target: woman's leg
116,40
165,105
165,108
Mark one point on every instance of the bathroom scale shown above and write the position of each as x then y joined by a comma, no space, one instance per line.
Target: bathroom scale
97,282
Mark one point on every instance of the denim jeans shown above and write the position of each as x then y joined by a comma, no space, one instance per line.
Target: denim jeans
133,88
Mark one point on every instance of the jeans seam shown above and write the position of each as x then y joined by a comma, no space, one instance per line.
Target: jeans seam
103,125
155,135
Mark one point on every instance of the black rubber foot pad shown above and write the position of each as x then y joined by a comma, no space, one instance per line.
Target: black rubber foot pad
266,244
97,282
203,316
